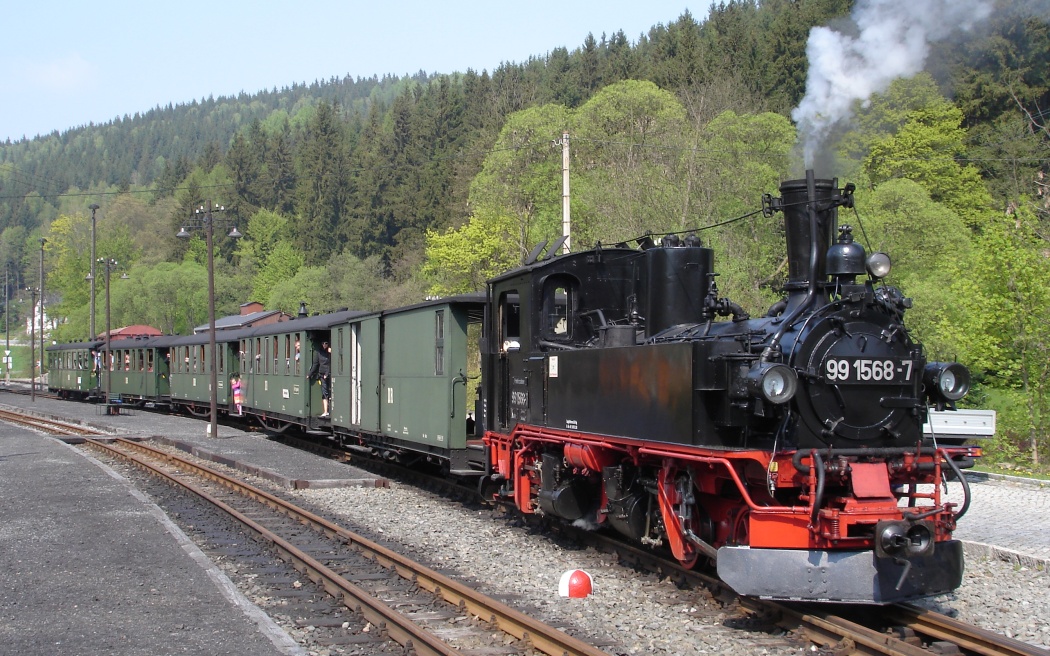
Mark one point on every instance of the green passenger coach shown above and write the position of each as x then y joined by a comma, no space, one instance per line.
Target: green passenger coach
71,369
400,380
275,362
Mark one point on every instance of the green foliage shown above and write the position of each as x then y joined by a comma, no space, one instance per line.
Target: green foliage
172,297
460,261
267,250
310,286
900,218
629,141
1000,320
1008,443
323,185
743,157
637,166
912,132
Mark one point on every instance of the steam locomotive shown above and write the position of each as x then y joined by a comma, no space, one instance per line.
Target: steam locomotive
788,448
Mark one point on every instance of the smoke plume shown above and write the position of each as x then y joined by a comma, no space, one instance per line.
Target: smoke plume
888,39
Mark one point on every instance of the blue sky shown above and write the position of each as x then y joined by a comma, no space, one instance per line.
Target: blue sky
64,64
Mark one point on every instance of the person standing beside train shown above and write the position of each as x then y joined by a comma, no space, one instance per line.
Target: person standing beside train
322,370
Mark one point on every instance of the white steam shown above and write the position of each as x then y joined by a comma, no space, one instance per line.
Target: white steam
891,39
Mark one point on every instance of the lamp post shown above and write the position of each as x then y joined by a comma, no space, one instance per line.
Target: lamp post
32,344
42,358
7,322
92,207
202,220
108,266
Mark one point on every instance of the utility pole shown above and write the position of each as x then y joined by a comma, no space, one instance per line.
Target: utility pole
566,223
42,356
32,345
7,322
202,219
92,207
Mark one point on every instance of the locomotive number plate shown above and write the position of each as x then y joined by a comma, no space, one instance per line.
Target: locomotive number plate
867,371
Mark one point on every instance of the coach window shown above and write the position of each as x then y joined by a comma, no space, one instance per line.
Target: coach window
439,343
298,354
257,354
559,308
510,322
339,349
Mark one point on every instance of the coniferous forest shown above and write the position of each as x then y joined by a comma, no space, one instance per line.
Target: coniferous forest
375,192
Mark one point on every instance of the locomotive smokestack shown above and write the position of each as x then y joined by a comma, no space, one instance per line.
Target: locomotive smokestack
807,252
810,220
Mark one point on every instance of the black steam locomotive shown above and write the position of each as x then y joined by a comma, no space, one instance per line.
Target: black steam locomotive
787,448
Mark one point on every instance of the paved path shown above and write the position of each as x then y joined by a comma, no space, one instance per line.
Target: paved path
1011,518
88,565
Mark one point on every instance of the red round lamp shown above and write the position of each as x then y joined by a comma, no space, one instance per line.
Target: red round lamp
575,584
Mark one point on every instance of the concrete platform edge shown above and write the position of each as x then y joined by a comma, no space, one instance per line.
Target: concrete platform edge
273,632
268,474
211,456
992,552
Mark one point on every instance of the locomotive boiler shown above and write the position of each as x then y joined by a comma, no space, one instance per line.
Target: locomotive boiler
620,390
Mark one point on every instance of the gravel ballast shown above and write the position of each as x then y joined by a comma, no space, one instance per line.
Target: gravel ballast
631,612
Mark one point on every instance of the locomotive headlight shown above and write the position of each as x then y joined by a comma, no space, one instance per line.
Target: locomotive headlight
879,265
950,380
776,383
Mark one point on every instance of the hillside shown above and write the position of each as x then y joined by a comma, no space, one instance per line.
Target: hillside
373,192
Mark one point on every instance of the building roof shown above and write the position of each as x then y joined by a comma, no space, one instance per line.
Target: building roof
236,321
128,332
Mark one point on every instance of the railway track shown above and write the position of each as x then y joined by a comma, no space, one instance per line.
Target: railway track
49,425
331,557
903,629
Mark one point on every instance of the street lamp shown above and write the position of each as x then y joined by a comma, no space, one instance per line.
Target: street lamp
32,343
202,220
42,358
109,265
91,276
7,322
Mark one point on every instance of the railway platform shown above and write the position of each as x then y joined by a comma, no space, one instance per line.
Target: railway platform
240,448
91,566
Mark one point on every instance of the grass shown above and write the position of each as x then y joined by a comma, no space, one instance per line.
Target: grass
1041,473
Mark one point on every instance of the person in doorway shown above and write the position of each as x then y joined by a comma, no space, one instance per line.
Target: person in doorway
235,387
322,371
96,367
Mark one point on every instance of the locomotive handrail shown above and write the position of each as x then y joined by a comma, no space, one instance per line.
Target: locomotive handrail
818,493
802,468
962,480
721,461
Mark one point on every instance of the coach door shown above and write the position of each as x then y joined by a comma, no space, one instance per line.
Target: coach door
364,374
355,375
